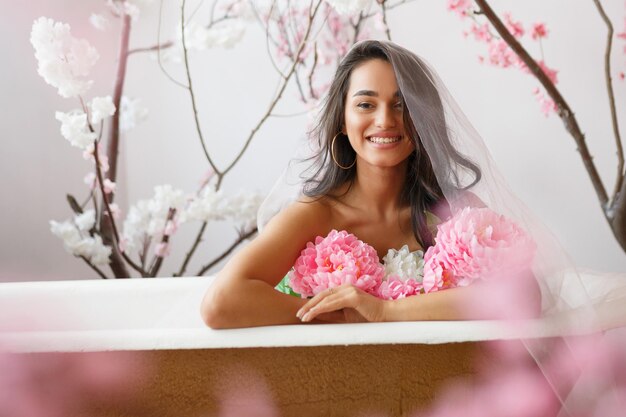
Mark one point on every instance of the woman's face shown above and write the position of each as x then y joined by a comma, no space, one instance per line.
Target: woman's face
373,115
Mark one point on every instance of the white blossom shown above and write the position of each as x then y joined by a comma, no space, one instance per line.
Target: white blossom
404,264
132,8
243,208
210,205
86,220
63,61
148,218
350,7
99,22
101,108
92,248
131,113
74,128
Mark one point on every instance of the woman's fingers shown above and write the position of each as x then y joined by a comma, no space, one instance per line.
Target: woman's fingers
333,302
315,301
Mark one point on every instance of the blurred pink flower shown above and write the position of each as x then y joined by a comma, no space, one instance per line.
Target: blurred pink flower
460,7
339,258
477,243
538,31
514,27
62,384
481,32
501,55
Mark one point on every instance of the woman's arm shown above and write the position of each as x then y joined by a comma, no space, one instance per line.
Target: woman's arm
243,293
511,299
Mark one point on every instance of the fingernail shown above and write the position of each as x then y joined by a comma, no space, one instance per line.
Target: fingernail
299,313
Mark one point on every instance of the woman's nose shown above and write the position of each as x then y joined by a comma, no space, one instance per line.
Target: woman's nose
385,118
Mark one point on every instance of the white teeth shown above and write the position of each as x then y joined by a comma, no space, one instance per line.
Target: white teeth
384,140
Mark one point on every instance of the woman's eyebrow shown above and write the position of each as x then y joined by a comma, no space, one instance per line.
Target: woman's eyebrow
371,93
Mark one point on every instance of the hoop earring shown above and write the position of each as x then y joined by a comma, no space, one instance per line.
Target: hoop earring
332,153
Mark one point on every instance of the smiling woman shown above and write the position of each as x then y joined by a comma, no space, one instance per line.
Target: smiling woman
388,170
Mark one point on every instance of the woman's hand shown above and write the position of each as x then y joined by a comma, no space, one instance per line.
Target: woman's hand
355,304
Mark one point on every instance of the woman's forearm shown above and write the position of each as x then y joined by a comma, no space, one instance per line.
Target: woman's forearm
441,305
248,303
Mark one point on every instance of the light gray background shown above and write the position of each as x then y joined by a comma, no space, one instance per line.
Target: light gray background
536,155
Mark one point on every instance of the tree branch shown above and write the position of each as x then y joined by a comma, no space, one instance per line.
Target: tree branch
232,247
183,267
92,266
609,88
280,92
564,111
383,6
193,97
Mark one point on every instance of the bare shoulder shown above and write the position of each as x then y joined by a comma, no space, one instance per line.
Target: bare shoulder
274,251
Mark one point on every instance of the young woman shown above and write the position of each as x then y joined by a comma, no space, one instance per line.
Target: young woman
388,169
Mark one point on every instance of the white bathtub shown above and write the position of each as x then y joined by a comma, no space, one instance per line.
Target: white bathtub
160,317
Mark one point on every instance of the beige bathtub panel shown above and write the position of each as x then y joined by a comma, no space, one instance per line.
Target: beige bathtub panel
393,380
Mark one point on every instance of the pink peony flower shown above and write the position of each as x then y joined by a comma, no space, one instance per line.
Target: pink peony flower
460,7
339,258
394,288
476,243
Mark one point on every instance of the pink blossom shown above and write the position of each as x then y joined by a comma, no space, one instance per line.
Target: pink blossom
170,228
538,31
460,7
515,28
501,55
394,288
547,104
476,243
550,73
339,258
109,186
162,250
621,76
481,32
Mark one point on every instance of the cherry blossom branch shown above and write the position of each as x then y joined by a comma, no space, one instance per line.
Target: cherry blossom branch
609,87
158,260
169,44
383,6
193,97
280,92
110,222
95,268
228,251
564,111
312,72
107,226
196,242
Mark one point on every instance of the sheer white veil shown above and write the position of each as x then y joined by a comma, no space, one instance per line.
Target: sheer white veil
455,150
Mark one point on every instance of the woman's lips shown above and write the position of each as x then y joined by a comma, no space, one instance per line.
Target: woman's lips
384,141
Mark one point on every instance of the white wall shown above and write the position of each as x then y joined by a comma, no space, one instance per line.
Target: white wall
535,153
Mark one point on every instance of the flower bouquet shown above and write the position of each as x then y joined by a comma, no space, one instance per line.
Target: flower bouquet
476,243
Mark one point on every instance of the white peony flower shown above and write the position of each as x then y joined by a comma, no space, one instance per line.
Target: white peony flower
85,221
62,60
131,113
350,7
99,22
225,35
101,108
65,231
74,128
404,264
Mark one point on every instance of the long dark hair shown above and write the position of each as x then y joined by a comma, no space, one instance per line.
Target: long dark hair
421,191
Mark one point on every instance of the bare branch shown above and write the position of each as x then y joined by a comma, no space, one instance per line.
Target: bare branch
183,267
564,111
192,95
383,6
158,260
609,88
95,268
280,93
228,251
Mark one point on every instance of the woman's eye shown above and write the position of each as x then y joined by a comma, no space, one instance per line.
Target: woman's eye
365,105
398,105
